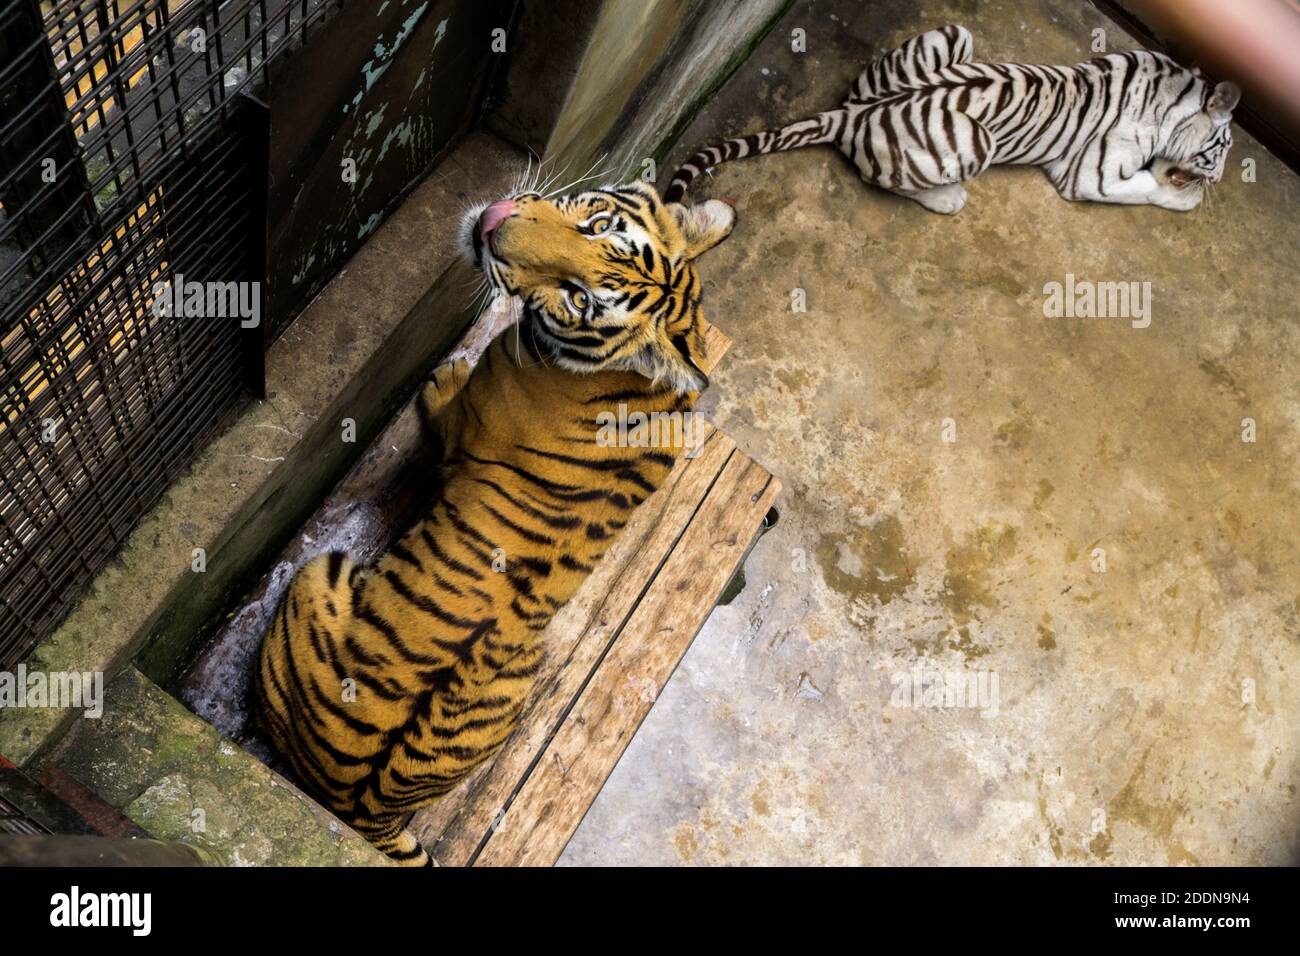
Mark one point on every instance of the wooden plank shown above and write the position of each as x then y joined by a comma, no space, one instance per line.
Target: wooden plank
569,772
716,344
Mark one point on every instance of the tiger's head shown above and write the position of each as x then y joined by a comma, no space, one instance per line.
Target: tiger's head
1197,148
606,276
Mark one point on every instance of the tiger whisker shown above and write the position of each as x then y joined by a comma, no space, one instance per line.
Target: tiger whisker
475,282
526,181
541,347
589,174
527,175
476,302
519,359
566,188
471,289
553,178
530,186
541,185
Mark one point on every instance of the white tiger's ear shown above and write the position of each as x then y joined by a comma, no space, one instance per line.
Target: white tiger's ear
703,225
1223,102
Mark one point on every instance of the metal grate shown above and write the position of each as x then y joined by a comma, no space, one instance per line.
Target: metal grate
13,822
129,153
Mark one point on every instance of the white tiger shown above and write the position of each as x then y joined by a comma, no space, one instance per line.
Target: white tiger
1131,128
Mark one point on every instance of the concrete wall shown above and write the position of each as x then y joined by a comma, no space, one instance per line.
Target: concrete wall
628,88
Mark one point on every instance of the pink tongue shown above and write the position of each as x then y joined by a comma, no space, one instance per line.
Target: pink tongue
493,216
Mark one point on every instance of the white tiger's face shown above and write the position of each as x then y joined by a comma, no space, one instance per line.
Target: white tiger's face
1198,149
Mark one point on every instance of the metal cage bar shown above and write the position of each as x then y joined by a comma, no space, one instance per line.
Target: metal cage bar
130,152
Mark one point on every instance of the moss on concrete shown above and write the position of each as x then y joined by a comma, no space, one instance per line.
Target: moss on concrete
178,778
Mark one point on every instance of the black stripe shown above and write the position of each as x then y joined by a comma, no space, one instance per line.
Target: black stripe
427,605
573,564
528,535
384,627
565,522
436,550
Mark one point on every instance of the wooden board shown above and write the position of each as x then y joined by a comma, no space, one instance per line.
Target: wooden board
611,650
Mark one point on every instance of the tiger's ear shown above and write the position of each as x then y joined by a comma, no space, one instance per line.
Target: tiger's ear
1223,102
703,225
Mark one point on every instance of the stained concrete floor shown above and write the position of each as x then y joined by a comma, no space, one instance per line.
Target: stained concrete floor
1146,713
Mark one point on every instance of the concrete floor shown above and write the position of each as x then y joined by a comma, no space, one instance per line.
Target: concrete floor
1147,713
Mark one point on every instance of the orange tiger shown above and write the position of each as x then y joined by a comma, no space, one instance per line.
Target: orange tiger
384,685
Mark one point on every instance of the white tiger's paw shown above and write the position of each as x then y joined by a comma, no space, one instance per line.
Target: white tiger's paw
1183,200
1175,188
947,200
1179,199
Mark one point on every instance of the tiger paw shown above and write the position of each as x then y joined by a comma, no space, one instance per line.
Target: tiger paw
946,200
1176,188
443,385
1179,200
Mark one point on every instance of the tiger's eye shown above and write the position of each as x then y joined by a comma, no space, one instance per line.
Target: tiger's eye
579,299
600,226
